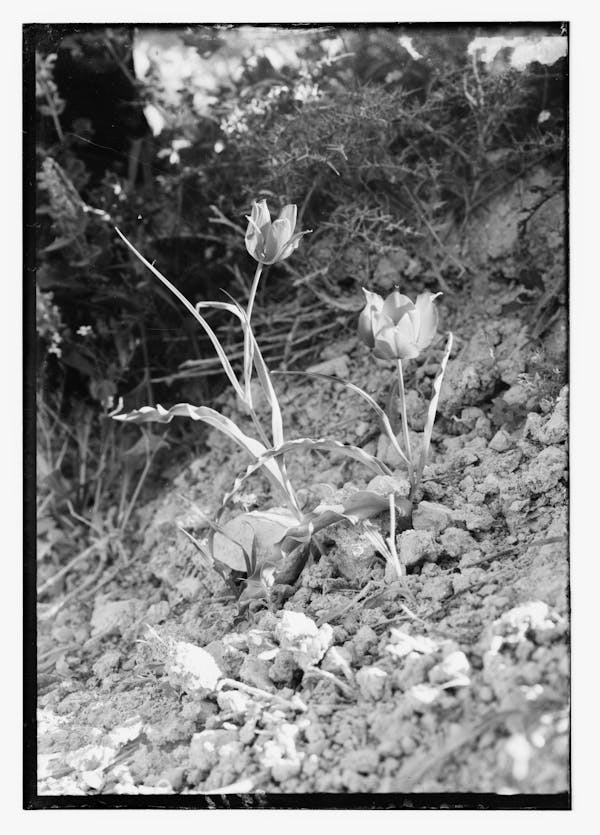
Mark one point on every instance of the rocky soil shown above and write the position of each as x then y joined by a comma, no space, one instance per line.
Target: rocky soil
455,679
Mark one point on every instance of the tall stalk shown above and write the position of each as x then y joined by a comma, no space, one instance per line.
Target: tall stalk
411,472
253,290
249,358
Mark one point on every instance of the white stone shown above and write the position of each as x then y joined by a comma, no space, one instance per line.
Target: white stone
299,634
371,681
192,668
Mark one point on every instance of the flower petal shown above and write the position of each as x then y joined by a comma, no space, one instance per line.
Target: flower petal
277,236
289,212
396,305
292,244
381,320
373,299
366,321
261,214
255,241
365,326
415,320
397,341
428,318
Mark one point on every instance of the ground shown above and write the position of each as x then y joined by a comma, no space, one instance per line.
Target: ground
454,679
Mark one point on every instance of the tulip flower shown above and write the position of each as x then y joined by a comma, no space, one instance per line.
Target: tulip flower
396,328
269,242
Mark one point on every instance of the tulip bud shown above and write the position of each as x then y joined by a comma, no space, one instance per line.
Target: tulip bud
269,242
396,328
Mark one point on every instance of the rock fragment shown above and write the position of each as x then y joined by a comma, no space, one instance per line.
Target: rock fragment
191,668
501,441
300,634
416,547
372,681
431,516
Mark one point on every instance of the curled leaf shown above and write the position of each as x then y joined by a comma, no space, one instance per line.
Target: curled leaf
258,531
384,419
362,505
308,444
158,414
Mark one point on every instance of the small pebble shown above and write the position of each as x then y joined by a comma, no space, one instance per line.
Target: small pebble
501,441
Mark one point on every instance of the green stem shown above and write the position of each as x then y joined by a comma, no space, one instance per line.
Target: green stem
248,345
405,423
253,290
248,360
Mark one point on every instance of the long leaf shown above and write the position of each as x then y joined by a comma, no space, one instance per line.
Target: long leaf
200,319
309,444
249,341
160,415
367,397
431,412
234,308
261,367
264,377
362,505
